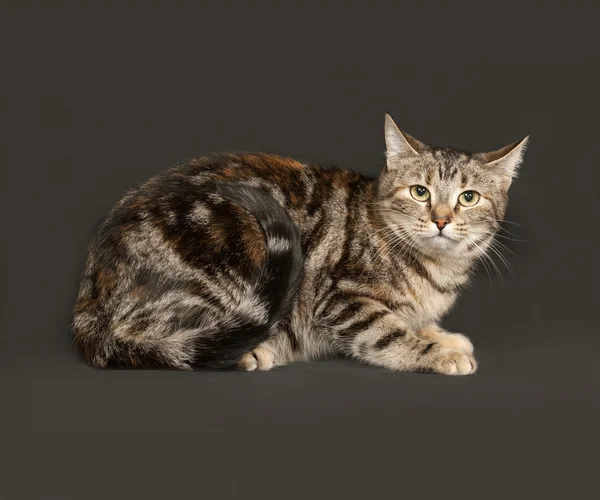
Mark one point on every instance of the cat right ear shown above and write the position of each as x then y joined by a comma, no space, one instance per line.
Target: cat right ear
399,144
507,160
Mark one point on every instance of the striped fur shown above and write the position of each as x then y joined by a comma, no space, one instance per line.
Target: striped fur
254,261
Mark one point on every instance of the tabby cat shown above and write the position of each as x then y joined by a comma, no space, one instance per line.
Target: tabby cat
252,261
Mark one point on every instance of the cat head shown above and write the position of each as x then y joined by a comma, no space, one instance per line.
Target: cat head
444,201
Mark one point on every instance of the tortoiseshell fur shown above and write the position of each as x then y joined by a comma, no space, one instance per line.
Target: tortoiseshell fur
251,261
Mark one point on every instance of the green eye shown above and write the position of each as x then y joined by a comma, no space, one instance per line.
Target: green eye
419,193
469,198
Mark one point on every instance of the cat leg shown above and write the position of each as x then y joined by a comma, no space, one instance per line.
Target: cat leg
457,341
370,332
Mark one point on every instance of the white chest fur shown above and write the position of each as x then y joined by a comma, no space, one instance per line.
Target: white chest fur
433,290
430,305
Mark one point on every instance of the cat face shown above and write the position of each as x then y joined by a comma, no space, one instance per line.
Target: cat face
442,201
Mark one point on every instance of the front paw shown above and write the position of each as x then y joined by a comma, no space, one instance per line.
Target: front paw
447,340
458,342
454,362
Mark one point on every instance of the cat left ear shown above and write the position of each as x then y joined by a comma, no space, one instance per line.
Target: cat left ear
506,160
399,144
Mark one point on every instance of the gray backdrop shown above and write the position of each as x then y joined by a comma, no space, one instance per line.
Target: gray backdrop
96,97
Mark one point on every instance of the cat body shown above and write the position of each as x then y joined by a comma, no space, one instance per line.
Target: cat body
251,261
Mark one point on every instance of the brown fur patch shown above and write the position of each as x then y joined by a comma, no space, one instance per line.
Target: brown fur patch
295,199
218,237
254,242
228,173
106,281
85,305
251,234
267,161
339,179
138,203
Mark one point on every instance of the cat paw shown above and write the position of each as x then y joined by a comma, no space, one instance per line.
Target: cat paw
447,340
257,359
454,363
459,342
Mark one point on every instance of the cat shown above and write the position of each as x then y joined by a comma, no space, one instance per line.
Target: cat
252,261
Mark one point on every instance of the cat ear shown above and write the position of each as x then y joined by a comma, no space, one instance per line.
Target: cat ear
399,144
506,160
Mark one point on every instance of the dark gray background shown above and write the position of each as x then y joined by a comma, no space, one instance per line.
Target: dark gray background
94,98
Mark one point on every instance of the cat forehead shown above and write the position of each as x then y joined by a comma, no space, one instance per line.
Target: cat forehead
442,166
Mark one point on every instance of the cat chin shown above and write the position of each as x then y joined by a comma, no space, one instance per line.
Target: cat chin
440,244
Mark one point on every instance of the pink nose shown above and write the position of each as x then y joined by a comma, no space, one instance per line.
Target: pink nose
440,223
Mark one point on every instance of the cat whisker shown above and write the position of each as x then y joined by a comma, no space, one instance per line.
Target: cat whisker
390,228
501,228
481,258
398,238
502,245
502,259
502,221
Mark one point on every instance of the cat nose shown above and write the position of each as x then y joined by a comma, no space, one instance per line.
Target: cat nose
440,223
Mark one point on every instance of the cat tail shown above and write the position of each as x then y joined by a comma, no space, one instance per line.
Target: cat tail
277,284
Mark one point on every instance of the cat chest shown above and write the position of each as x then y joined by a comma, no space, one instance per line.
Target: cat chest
427,305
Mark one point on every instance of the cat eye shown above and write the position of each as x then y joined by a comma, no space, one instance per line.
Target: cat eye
469,198
419,193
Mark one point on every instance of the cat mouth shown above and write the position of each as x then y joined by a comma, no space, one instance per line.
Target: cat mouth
442,238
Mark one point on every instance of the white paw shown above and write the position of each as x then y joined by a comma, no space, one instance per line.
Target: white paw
258,359
459,342
454,363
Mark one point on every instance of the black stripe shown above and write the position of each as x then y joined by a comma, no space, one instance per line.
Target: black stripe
363,324
314,238
473,246
321,191
348,311
421,271
388,338
292,337
427,348
354,191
